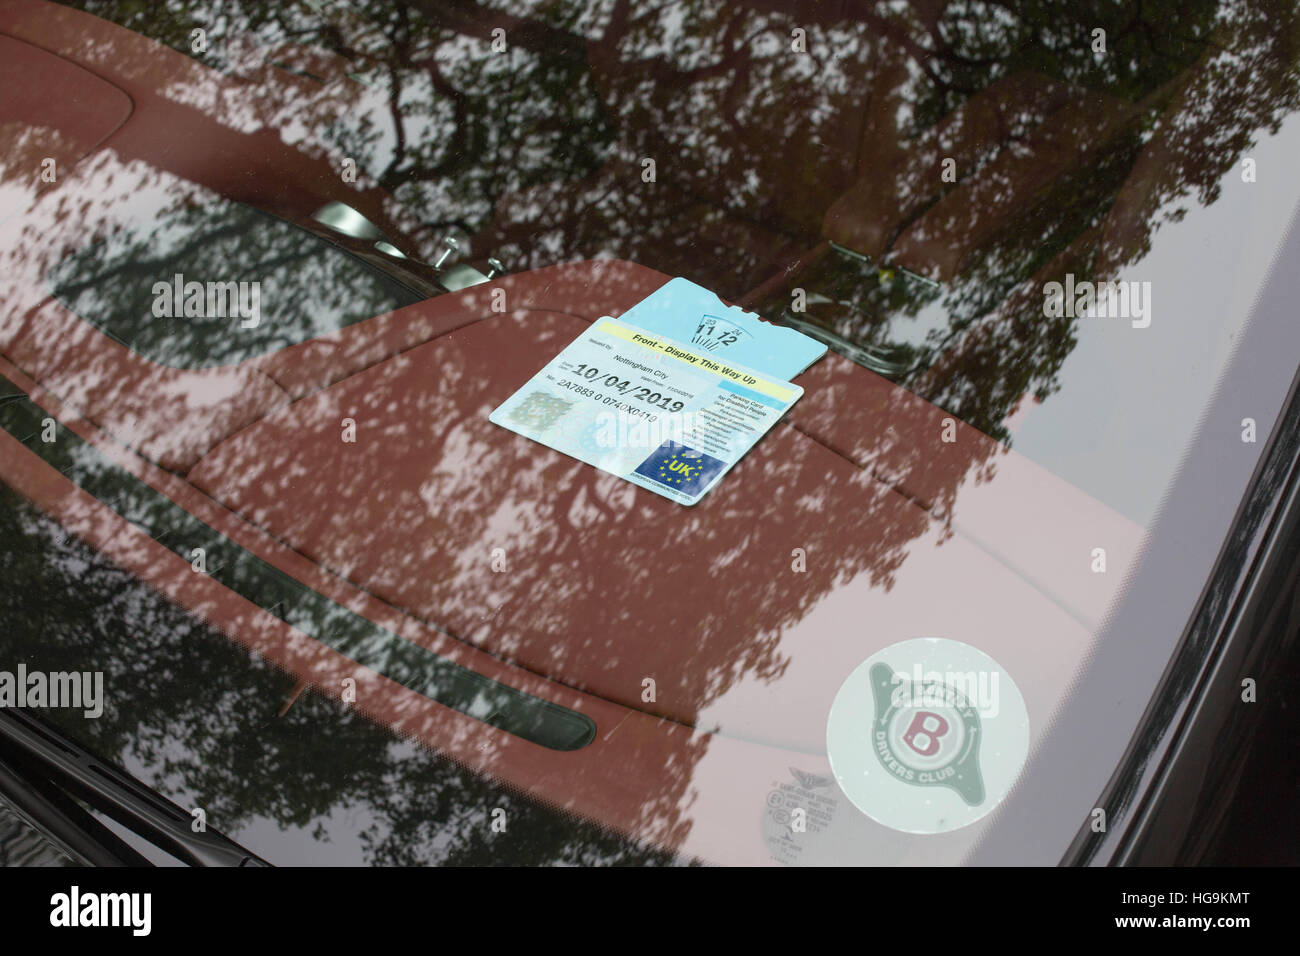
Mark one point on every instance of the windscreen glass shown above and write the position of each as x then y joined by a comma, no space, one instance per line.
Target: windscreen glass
250,477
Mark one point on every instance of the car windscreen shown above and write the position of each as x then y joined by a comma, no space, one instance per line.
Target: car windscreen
1032,235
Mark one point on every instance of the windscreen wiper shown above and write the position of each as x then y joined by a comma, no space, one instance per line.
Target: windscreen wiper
42,770
342,219
875,360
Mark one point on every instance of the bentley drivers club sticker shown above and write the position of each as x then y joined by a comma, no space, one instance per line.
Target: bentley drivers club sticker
927,735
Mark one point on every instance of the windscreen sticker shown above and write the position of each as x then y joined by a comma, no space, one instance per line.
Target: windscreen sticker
690,313
927,735
647,408
798,818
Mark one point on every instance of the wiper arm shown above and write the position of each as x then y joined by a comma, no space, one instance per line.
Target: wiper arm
869,358
41,750
343,219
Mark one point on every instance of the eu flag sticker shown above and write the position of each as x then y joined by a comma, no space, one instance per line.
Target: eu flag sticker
684,469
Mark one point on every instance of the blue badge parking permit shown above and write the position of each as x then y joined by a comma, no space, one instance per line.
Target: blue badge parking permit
668,417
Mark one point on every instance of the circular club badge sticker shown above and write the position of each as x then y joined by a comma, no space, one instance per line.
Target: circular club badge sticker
927,735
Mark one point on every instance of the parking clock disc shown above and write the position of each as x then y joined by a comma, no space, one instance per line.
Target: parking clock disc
927,735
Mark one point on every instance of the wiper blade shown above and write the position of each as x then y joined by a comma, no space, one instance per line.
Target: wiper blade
41,751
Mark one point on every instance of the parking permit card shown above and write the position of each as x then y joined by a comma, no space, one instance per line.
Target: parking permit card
647,408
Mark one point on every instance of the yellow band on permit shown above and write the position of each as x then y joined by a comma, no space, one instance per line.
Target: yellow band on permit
695,360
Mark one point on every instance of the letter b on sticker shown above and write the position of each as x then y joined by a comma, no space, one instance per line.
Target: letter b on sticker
924,732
